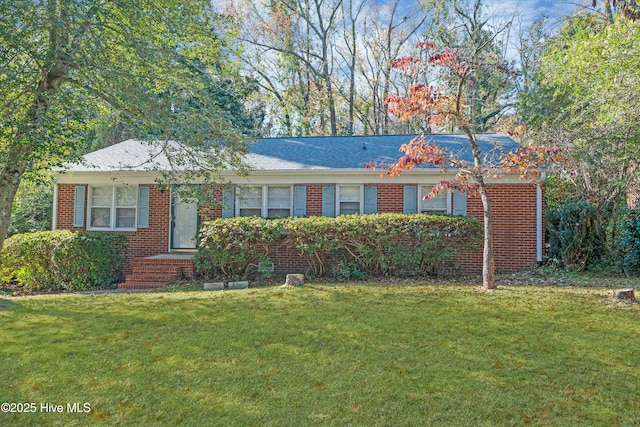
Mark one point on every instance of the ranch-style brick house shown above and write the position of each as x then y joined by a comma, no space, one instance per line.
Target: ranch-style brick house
296,176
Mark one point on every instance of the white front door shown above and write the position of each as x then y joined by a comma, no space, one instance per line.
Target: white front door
184,224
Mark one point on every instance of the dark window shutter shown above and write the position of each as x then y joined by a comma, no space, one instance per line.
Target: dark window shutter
143,207
410,199
329,200
228,197
459,203
370,199
300,200
79,198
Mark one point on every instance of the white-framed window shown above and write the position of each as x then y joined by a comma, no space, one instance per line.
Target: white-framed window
440,203
249,201
112,207
278,202
349,199
267,201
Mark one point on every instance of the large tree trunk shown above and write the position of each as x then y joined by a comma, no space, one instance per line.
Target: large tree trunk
17,159
10,177
333,121
7,194
352,76
488,262
608,12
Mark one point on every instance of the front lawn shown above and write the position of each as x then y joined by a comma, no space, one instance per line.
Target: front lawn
324,355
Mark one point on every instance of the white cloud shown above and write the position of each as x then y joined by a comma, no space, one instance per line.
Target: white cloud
524,13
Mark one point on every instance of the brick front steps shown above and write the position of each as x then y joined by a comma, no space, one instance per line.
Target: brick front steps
158,270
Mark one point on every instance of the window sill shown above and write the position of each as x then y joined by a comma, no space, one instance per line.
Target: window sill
110,229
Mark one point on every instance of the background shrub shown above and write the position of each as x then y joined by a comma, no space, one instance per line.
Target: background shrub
349,246
574,235
32,207
62,260
630,241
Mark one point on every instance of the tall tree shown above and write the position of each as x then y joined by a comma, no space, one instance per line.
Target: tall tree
63,61
32,208
611,8
383,41
461,100
300,33
584,99
349,54
321,63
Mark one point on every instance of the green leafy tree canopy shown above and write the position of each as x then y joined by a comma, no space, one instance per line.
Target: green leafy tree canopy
65,63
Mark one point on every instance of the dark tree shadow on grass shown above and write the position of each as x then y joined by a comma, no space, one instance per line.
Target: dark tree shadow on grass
7,305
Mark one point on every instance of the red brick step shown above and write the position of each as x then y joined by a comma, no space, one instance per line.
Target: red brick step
156,271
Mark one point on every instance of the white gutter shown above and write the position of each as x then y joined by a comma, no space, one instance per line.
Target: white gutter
54,216
425,176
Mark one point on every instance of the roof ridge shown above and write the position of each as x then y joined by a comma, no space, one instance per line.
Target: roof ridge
374,135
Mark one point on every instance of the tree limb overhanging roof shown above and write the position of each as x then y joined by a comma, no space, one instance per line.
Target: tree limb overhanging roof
294,153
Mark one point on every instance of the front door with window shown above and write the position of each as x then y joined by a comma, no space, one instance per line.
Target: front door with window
184,224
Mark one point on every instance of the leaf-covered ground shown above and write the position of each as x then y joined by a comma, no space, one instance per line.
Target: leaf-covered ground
346,354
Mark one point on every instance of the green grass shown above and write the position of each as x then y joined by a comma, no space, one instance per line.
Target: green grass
325,355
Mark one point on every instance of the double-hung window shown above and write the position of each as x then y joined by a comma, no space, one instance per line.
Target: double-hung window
250,201
113,207
278,202
349,199
126,203
438,203
265,201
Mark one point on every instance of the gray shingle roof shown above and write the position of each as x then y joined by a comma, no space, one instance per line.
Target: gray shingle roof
295,153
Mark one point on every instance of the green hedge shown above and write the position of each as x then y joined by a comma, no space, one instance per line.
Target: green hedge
62,260
350,246
234,248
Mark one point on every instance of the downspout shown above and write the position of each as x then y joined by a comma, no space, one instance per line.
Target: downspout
54,214
539,229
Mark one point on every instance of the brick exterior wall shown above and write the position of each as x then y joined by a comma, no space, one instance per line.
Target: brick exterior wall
390,198
287,259
144,242
513,209
314,199
66,193
514,224
215,209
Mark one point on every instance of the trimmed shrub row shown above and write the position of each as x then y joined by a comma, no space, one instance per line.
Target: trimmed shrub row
350,246
62,260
